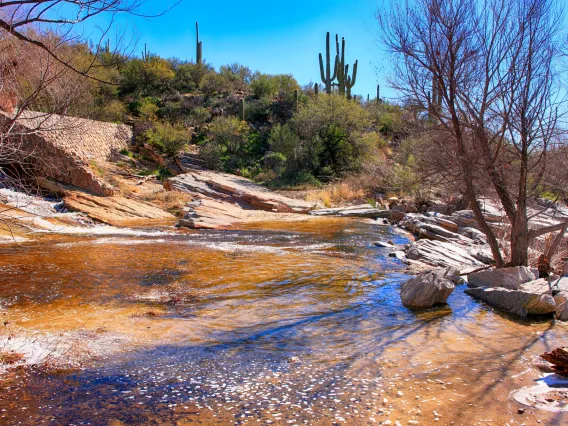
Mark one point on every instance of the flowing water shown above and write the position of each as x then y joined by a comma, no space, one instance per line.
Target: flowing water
284,323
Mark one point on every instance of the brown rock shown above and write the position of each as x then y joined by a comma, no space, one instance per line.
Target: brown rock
559,358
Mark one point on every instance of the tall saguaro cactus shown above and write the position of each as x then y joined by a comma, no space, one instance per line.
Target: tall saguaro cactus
340,70
344,82
198,46
326,74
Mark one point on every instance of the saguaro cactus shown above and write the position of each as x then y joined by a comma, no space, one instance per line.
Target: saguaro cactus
344,82
316,89
242,112
327,77
198,46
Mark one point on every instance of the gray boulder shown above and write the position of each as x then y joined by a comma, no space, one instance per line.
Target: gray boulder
559,285
429,288
561,300
518,302
509,278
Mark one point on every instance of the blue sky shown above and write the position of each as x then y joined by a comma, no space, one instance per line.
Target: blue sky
269,36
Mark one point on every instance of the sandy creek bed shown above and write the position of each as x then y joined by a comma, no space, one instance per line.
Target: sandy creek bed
297,323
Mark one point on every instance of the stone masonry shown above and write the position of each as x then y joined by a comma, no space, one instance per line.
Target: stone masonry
65,148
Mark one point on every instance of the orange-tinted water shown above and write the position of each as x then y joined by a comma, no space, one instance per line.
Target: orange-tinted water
283,323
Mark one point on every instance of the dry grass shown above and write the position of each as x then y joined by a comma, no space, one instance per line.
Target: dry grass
338,194
171,201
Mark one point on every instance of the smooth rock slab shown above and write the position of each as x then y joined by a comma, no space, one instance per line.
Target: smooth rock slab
559,285
429,288
509,278
517,302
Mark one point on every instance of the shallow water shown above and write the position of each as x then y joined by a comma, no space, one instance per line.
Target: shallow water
280,323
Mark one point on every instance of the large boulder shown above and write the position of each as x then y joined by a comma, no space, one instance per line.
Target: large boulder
429,288
561,300
518,302
509,278
442,254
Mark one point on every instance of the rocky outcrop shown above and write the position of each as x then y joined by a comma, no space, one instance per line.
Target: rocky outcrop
442,254
118,210
518,302
561,300
220,199
509,278
362,211
429,288
67,149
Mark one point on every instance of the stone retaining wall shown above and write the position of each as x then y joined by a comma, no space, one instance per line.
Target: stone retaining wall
64,148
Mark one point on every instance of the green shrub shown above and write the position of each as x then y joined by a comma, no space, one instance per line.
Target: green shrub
275,161
188,76
169,139
264,86
199,115
229,133
212,156
213,84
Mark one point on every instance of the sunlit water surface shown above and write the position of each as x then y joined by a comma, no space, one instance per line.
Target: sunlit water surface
294,323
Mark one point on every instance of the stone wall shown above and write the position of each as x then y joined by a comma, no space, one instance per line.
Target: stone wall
65,148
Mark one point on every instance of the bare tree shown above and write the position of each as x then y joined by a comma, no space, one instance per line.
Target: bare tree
485,72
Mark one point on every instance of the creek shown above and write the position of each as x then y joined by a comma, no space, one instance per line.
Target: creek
277,323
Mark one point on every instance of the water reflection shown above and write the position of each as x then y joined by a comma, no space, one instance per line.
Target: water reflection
294,325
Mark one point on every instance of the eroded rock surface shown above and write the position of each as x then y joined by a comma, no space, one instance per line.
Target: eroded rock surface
518,302
220,200
509,278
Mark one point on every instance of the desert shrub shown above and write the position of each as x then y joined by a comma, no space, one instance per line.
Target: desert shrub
275,161
213,84
113,111
258,110
147,77
199,115
264,86
146,108
330,127
212,156
188,76
168,138
283,140
239,75
229,133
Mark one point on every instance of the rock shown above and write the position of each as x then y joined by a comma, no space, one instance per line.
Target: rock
510,278
559,285
540,286
428,288
474,234
559,358
441,254
400,255
220,200
117,210
561,300
393,201
517,302
484,256
364,211
565,272
383,244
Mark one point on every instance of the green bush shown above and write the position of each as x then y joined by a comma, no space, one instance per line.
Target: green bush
199,116
169,139
229,133
215,84
188,76
264,86
147,77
